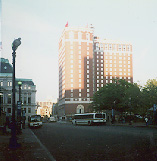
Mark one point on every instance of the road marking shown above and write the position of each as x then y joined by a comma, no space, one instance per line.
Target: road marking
46,150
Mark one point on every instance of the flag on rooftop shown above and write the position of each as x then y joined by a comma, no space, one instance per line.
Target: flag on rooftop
66,24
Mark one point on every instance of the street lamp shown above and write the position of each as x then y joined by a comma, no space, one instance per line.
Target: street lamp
13,140
130,123
19,105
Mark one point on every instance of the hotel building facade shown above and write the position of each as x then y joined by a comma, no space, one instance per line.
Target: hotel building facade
86,63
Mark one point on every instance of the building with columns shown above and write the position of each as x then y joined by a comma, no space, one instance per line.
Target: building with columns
86,63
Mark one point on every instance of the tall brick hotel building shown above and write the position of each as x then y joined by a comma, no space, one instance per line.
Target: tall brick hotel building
86,63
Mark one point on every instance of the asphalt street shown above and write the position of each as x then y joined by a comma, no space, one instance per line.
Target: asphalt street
97,143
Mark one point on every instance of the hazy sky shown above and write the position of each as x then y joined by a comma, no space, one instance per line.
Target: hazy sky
40,23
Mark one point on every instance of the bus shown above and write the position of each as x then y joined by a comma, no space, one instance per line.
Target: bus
89,119
34,121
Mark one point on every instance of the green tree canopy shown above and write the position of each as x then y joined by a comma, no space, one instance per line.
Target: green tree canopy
119,95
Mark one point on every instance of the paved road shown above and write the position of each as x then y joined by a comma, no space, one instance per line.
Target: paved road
96,143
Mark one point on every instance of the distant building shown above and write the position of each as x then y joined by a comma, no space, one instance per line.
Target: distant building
86,63
45,108
28,91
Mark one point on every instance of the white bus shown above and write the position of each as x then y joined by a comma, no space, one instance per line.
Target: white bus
89,119
34,121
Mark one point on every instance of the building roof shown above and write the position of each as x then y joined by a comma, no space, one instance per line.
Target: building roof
6,70
5,66
24,81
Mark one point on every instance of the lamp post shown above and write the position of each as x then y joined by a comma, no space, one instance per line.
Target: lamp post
13,140
130,123
19,104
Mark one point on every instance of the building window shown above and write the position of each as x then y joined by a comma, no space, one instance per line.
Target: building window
71,47
25,99
9,98
1,83
9,110
25,110
71,35
29,110
79,94
79,35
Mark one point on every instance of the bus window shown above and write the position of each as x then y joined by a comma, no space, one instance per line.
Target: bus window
98,116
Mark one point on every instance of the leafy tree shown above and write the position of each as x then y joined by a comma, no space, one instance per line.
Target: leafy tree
149,93
119,95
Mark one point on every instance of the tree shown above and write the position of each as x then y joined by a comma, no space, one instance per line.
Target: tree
149,93
119,95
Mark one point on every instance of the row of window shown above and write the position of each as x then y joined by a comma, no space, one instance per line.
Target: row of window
9,84
27,110
118,47
71,35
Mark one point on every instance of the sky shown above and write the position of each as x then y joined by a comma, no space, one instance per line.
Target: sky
39,24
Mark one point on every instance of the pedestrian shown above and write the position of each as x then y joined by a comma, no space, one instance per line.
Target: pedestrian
146,120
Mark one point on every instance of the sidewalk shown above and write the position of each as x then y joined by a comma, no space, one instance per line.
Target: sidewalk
31,148
134,124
